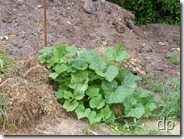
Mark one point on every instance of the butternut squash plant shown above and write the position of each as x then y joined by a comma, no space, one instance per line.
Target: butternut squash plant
89,84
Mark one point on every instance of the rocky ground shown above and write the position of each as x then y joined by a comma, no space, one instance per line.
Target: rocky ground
96,25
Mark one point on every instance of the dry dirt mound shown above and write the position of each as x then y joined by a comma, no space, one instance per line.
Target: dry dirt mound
31,100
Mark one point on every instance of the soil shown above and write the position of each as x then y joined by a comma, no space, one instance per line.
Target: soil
32,105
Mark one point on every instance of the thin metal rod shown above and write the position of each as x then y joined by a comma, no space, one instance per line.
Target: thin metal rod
45,24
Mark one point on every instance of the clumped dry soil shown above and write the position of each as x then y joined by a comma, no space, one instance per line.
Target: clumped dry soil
32,106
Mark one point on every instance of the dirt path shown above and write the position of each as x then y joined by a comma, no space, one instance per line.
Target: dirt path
21,32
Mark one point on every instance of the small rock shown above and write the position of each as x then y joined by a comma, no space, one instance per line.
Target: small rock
63,13
90,7
161,44
147,49
40,6
178,49
142,72
104,43
68,22
119,26
17,24
128,22
4,38
14,17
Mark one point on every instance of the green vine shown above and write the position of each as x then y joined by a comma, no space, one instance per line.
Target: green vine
91,85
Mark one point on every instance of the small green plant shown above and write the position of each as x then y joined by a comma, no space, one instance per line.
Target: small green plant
136,127
90,84
174,58
3,106
176,41
169,106
169,94
8,65
2,70
126,127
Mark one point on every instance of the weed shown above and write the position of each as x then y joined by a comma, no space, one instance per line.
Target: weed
169,106
165,39
176,40
1,66
174,58
8,65
169,92
3,113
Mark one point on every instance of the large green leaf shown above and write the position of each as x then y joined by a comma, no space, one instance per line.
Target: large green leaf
70,105
80,90
53,75
89,55
67,94
99,65
149,104
129,102
71,50
79,77
82,112
106,112
94,117
97,102
59,68
46,50
129,80
109,87
42,58
116,54
121,54
111,73
50,62
79,64
137,111
92,91
59,52
133,108
59,94
119,95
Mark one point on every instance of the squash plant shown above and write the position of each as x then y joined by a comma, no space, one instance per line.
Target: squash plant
90,84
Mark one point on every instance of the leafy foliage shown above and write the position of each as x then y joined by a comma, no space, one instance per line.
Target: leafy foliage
8,65
153,11
89,84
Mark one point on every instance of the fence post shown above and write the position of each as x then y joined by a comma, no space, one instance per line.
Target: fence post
45,24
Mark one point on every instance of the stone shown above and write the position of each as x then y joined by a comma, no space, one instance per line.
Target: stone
4,38
40,6
142,72
161,44
90,7
147,49
104,43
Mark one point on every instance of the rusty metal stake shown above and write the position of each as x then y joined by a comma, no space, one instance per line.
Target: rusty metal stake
45,24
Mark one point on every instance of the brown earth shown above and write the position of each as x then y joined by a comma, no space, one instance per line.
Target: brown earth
32,105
